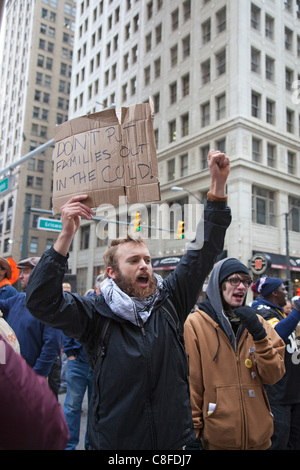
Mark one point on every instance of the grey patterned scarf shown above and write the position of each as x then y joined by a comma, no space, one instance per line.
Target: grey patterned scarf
130,308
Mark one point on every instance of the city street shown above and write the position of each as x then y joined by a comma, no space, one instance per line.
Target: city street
61,399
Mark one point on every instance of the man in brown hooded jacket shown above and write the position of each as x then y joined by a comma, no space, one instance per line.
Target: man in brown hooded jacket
232,353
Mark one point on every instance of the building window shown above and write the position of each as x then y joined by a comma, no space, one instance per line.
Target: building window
186,47
33,245
85,237
187,10
221,20
221,106
205,114
270,111
172,131
291,158
147,75
255,17
185,125
255,60
203,156
205,72
158,34
256,150
289,78
173,92
148,40
270,68
221,63
271,155
269,27
171,169
81,280
185,82
49,243
288,39
157,68
174,55
263,206
294,209
255,105
206,31
184,165
175,19
289,120
221,145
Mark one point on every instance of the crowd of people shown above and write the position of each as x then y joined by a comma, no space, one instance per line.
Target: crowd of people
161,371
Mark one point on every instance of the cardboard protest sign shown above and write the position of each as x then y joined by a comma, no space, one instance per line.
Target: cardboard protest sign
107,155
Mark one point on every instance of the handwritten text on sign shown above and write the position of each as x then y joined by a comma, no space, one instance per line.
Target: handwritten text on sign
107,162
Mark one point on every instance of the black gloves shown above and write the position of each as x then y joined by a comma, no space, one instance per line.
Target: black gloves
250,320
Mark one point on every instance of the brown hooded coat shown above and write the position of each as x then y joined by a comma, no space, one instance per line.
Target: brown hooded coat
227,375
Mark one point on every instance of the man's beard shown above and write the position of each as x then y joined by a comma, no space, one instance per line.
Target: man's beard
132,290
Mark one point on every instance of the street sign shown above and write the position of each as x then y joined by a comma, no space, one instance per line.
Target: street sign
3,185
49,224
6,185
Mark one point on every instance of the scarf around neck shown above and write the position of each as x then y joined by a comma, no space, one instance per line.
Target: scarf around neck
135,310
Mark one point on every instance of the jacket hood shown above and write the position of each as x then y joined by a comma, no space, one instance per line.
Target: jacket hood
215,299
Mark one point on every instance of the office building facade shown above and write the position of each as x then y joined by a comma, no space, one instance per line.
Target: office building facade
35,85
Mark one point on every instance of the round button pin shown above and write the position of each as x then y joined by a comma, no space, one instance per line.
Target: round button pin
248,363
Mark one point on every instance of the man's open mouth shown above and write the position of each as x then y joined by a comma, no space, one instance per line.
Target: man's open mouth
238,296
143,281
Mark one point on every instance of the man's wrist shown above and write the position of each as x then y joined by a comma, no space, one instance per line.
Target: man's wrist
62,244
215,198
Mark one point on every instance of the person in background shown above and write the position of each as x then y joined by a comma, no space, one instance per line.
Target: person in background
99,279
287,308
6,290
284,396
79,380
30,416
296,297
63,383
67,287
232,353
39,343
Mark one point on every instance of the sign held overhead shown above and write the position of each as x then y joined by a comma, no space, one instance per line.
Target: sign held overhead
107,155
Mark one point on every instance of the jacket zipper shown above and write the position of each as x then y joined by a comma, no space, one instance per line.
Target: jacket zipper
148,399
243,443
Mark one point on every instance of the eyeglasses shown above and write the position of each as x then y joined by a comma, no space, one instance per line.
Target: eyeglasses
235,281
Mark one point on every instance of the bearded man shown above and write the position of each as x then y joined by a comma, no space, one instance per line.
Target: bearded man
140,394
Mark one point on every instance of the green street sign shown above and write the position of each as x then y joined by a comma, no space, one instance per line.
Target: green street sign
49,224
4,185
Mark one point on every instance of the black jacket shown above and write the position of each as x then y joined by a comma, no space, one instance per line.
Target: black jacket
141,390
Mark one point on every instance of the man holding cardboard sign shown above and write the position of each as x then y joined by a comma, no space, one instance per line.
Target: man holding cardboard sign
141,391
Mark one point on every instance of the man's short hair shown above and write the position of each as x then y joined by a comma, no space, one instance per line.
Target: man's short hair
110,255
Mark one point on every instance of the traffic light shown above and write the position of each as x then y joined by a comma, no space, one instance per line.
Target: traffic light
180,230
298,292
137,222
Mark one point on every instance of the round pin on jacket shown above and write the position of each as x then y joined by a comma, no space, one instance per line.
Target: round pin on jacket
248,363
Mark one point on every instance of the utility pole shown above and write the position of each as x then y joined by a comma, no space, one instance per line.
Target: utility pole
288,268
